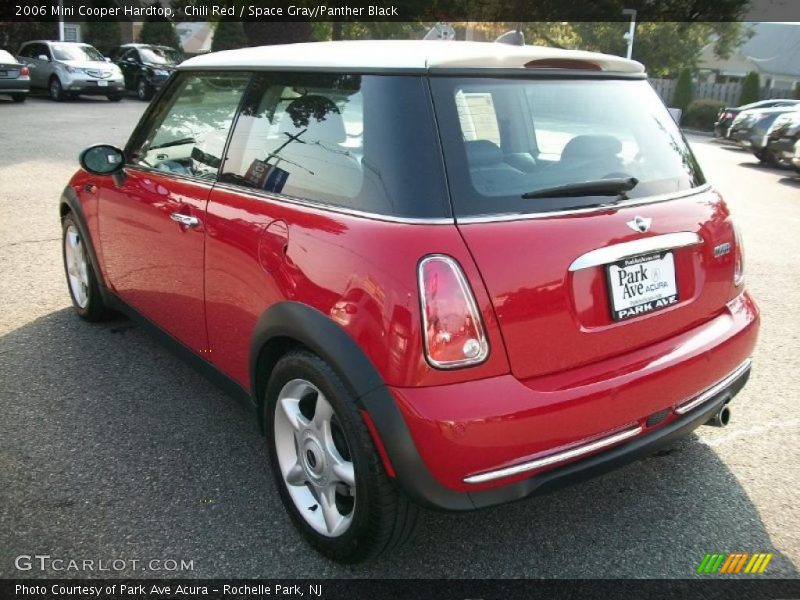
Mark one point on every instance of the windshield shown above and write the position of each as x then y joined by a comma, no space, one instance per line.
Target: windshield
160,56
504,139
75,52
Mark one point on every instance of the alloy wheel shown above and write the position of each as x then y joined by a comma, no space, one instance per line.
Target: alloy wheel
77,266
314,458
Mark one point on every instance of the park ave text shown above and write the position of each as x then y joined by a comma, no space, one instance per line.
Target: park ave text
319,11
138,590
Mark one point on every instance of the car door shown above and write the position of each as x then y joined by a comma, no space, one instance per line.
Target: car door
130,65
151,216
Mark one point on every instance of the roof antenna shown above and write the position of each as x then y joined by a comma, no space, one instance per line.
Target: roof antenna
441,31
515,37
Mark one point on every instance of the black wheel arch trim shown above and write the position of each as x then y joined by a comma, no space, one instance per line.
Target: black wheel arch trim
324,337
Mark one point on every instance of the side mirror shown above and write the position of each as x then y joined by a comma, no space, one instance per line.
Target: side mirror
43,57
102,159
676,113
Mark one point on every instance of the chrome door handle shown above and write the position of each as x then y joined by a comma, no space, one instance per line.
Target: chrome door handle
186,220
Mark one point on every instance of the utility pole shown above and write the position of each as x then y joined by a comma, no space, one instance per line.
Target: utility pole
629,35
60,20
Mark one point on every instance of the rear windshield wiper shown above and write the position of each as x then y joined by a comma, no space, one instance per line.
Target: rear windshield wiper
616,186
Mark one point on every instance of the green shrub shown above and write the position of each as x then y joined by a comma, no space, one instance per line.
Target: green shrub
751,89
228,35
684,90
701,114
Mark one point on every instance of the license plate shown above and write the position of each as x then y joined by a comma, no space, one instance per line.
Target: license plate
102,84
642,284
728,133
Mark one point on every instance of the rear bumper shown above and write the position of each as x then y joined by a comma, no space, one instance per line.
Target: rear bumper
13,86
463,435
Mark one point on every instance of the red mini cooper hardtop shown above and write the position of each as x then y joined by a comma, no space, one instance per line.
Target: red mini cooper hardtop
445,274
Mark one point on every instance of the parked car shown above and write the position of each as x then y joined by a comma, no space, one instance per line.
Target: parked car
532,287
145,67
728,114
782,137
14,77
796,157
750,128
70,69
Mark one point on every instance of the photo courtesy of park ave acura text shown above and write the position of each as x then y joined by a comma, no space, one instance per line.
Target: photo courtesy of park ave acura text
451,299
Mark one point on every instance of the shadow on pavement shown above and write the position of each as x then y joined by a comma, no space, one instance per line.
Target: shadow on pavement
111,447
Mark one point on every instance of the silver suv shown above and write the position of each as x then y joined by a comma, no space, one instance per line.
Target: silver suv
69,69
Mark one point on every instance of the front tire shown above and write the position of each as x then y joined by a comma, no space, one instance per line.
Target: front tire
81,279
56,90
114,97
144,91
328,474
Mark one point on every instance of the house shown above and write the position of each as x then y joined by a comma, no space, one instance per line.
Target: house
773,52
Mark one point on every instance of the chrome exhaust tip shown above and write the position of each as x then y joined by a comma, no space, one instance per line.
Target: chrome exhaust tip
721,418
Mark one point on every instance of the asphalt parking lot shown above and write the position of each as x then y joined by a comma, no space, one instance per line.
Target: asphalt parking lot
112,448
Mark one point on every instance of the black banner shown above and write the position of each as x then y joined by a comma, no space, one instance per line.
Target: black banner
416,589
399,10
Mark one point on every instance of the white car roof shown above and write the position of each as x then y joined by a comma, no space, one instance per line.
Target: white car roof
407,55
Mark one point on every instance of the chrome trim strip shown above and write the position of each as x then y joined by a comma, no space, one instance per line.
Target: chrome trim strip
714,389
581,211
656,243
557,457
282,198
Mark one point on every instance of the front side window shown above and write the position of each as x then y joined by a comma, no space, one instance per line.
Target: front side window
75,52
360,142
186,133
509,142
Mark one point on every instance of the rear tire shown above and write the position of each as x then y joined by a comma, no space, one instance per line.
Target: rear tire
114,97
84,289
766,157
55,89
19,98
319,442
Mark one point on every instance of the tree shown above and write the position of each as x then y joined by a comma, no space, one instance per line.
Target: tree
159,31
684,93
266,33
228,35
103,36
13,34
751,89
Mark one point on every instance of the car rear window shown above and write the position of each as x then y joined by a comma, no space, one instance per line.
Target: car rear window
506,137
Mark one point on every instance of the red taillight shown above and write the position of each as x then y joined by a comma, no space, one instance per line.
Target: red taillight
24,72
452,327
738,264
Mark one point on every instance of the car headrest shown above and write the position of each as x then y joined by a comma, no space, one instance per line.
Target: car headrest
318,115
483,152
591,146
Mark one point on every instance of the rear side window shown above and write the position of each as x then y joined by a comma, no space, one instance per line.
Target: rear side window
504,138
354,141
185,134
